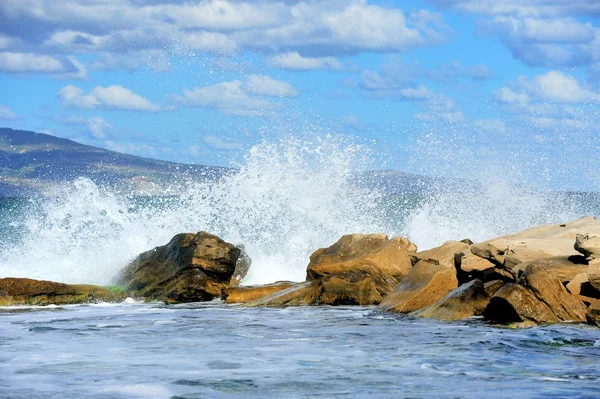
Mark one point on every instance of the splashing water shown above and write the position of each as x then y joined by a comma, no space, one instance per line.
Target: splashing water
285,200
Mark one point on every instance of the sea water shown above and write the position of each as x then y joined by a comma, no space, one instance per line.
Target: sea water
285,200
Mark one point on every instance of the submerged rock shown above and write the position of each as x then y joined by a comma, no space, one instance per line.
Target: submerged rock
466,301
538,297
251,293
25,291
190,268
425,284
360,269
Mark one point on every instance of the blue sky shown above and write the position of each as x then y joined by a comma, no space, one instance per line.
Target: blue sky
437,86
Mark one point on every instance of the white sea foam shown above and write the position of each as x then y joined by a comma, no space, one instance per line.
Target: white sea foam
287,199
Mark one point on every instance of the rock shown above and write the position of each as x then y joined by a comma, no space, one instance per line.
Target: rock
539,297
254,292
593,315
470,267
491,287
563,267
547,241
588,245
190,268
25,291
574,285
593,272
360,269
489,252
425,284
301,294
443,255
521,253
242,265
468,300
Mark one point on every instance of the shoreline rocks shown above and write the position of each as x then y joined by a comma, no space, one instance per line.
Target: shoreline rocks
25,291
546,274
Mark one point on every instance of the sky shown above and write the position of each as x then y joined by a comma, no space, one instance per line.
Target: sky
431,86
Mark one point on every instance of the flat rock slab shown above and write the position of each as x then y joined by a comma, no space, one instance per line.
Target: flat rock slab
25,291
301,294
424,285
246,294
466,301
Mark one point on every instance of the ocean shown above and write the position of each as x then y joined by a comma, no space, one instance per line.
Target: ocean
281,205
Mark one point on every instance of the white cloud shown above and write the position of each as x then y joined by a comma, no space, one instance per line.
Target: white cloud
490,125
99,128
220,144
228,98
6,113
118,28
295,62
508,96
525,8
556,86
353,122
29,63
111,97
267,86
243,98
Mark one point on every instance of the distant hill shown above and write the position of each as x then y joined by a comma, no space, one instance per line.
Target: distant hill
32,163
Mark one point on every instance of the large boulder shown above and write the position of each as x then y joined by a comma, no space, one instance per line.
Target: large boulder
251,293
538,297
443,255
588,245
360,269
425,284
466,301
25,291
190,268
563,267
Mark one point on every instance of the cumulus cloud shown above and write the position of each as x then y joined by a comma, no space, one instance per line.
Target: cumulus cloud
221,144
552,100
243,98
112,97
267,86
99,128
295,62
6,113
23,63
319,30
524,8
229,98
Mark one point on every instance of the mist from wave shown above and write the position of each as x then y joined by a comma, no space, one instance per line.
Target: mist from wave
286,199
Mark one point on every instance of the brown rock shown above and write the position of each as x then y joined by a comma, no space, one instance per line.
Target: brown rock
424,285
593,315
574,286
443,255
190,268
253,292
491,287
563,267
470,267
360,269
242,265
466,301
489,252
593,272
25,291
588,245
538,297
301,294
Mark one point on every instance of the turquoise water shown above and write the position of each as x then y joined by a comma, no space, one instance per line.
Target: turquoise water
222,351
